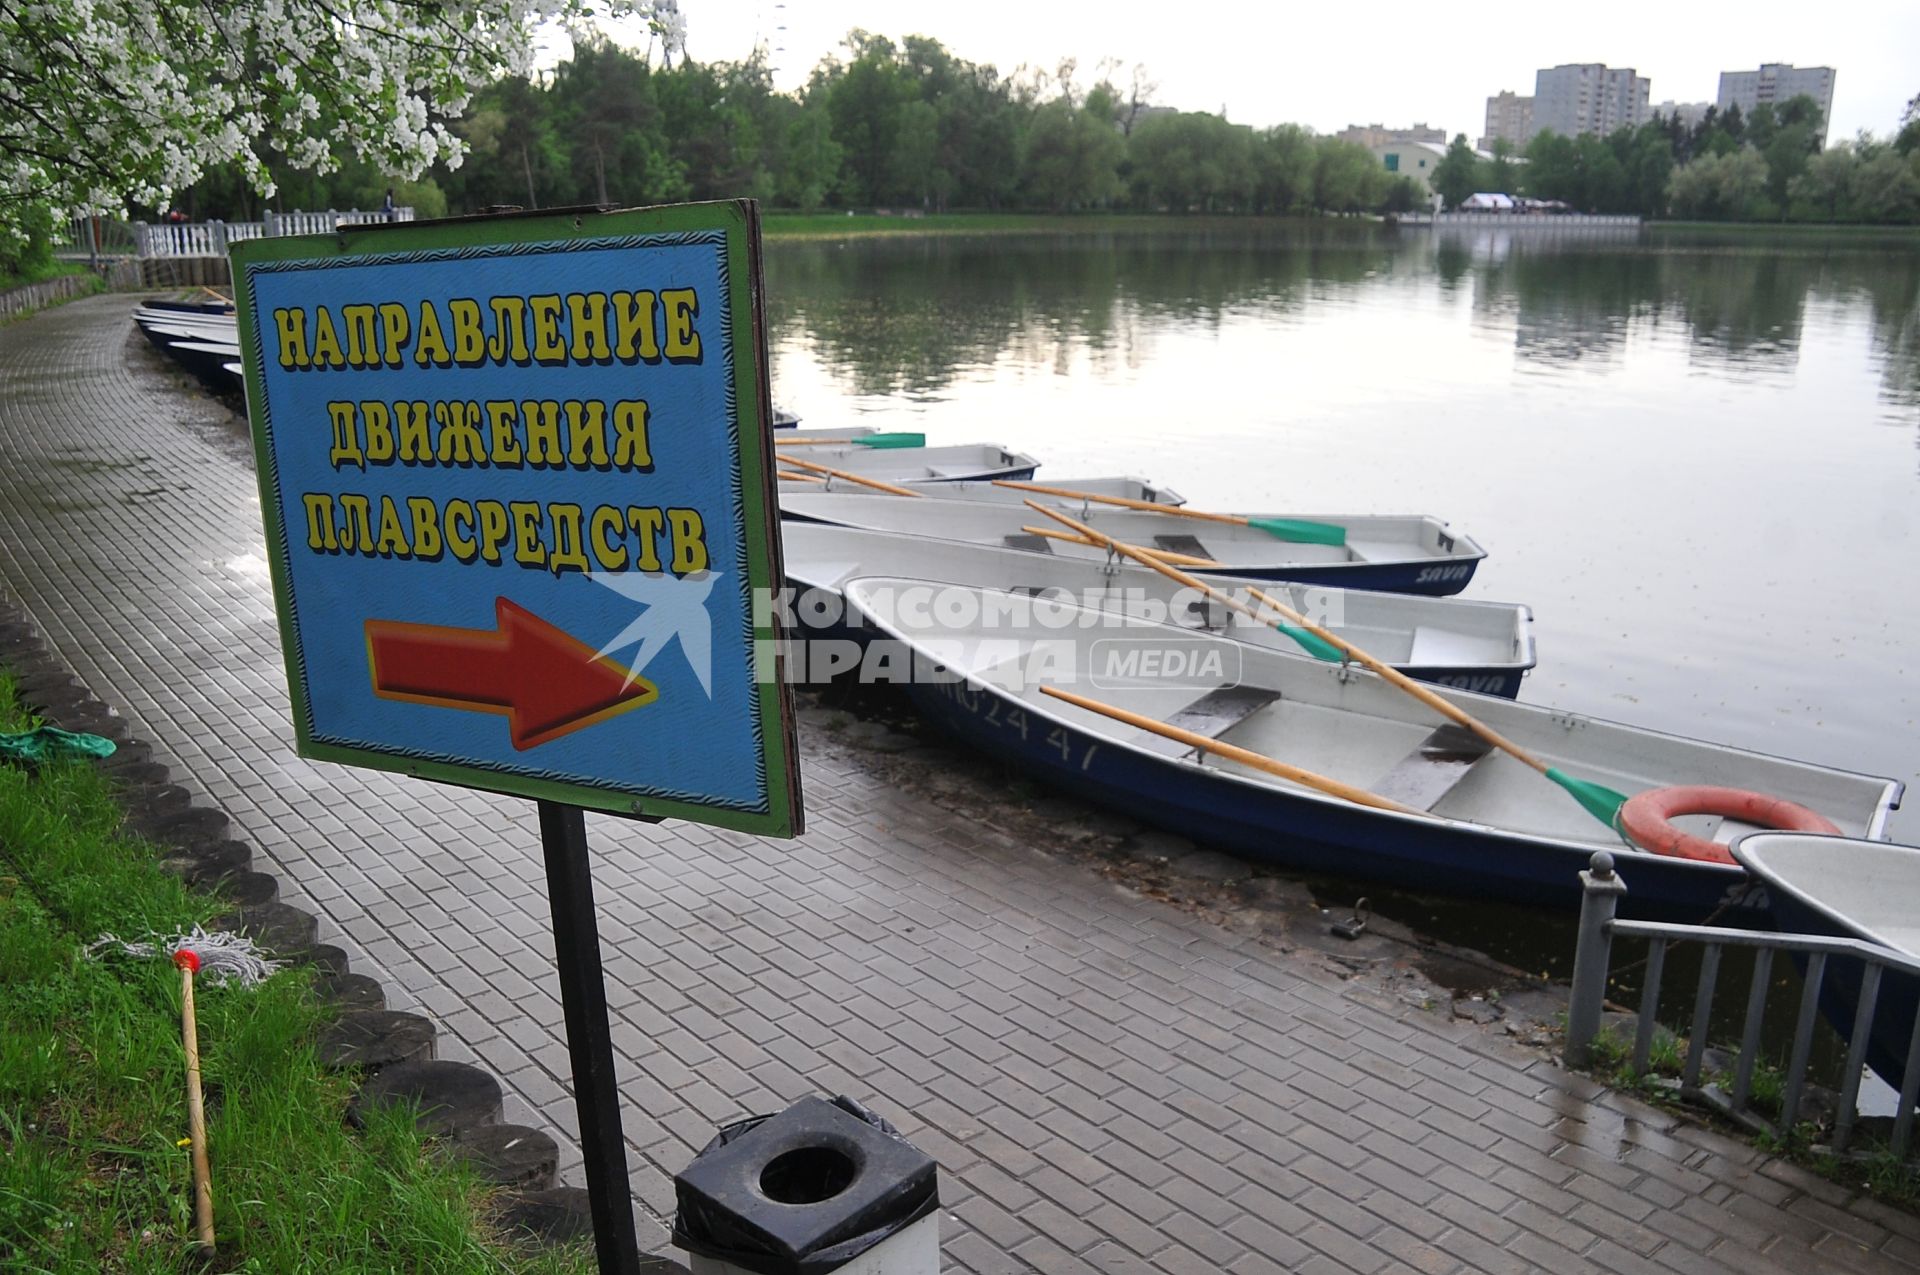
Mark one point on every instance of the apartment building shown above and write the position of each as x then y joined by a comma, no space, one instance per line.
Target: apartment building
1589,97
1779,82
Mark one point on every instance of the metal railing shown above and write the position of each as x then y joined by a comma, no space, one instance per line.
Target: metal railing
101,236
1523,220
1592,962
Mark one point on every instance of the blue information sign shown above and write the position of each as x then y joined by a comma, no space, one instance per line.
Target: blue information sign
516,480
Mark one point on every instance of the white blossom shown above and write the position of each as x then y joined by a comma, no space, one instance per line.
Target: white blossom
108,101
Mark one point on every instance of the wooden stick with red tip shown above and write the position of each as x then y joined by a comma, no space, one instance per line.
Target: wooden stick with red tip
189,962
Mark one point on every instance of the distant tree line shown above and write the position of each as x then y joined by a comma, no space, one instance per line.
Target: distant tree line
890,125
1765,166
908,125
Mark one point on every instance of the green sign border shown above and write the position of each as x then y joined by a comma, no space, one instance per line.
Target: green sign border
739,220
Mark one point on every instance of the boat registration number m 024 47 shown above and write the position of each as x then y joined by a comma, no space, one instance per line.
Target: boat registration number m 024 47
1432,575
1073,751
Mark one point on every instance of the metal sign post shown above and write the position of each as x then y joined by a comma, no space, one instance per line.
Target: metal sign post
583,995
518,490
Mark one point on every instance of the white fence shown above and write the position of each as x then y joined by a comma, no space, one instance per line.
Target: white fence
1523,221
88,236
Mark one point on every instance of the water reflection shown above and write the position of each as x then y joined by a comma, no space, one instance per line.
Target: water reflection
913,316
910,316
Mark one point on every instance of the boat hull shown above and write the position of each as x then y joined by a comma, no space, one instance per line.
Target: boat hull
1433,580
1412,554
1898,1001
1502,682
207,363
1275,827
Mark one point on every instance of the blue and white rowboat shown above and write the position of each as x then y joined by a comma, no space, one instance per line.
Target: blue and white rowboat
1124,486
1493,827
1843,887
1478,646
1403,554
968,461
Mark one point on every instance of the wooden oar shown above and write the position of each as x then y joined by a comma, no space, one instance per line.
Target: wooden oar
1165,555
1308,642
1296,529
831,472
1233,752
789,476
863,440
1601,802
215,295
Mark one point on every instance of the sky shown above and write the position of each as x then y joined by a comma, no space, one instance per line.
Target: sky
1387,62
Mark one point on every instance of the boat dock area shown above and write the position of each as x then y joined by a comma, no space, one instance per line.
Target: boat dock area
1108,1083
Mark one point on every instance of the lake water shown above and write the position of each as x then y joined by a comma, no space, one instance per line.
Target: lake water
1695,456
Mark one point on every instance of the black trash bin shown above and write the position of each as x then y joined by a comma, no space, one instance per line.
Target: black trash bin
809,1191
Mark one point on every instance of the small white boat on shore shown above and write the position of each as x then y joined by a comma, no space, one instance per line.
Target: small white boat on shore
1122,486
1844,887
1406,554
1477,646
895,464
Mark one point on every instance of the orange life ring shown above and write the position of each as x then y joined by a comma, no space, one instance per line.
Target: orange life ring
1647,818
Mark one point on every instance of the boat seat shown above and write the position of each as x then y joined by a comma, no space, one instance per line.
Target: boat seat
1028,541
1182,543
1203,612
1445,648
1431,770
1212,715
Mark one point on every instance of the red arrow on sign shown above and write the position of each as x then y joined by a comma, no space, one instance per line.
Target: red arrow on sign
547,682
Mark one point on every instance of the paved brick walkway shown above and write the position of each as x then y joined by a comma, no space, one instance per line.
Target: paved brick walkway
1108,1084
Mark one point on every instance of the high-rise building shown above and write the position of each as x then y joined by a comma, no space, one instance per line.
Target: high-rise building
1779,82
1588,97
1372,135
1509,118
1689,113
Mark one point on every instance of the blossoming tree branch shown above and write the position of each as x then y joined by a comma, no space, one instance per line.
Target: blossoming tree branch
106,102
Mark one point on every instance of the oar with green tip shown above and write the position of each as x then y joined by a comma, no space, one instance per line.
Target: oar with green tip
1164,563
1300,530
877,441
1601,802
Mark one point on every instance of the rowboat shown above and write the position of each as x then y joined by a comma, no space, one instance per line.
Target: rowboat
216,308
1403,554
916,464
1843,887
1476,822
1126,488
789,433
207,360
161,327
183,326
205,344
1480,646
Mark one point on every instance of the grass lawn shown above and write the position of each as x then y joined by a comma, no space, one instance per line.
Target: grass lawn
93,1176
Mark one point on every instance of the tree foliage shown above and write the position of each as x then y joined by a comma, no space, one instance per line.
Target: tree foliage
114,101
1457,175
382,87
